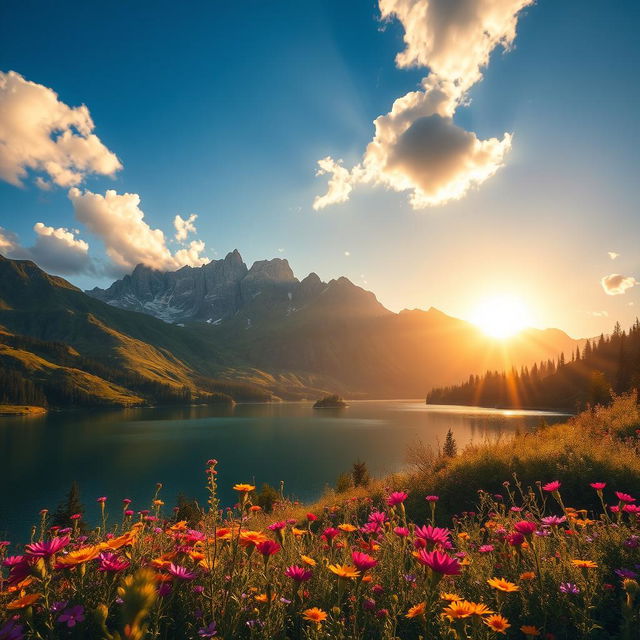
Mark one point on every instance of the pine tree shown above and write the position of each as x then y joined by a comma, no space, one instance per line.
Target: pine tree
360,474
70,506
450,447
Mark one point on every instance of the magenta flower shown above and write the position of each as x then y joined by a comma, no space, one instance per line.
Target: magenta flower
515,539
180,572
102,499
569,587
554,521
430,536
363,561
486,548
525,527
598,486
439,562
552,486
47,548
330,533
397,497
72,616
624,497
111,562
268,547
297,573
432,498
379,517
12,561
277,526
402,532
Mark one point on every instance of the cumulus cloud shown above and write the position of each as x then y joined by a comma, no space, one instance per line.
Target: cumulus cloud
184,227
56,250
613,255
118,220
417,147
40,133
615,284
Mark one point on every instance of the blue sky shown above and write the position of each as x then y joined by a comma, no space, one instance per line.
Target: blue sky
223,109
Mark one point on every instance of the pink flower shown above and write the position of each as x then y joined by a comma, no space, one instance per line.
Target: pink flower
486,548
311,517
277,526
552,486
525,527
299,574
363,561
102,499
126,501
515,539
397,497
47,548
268,547
111,562
430,536
129,512
598,486
330,533
554,521
624,497
180,572
403,532
379,517
439,562
432,498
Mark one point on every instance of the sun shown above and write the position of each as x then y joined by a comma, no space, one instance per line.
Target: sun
501,316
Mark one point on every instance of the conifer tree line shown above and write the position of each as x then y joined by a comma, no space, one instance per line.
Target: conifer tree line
588,376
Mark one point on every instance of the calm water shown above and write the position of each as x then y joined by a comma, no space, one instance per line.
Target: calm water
124,453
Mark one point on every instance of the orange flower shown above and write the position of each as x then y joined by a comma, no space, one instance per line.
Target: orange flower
243,488
480,609
298,532
529,630
417,610
79,556
459,609
255,507
314,615
264,598
247,538
347,528
497,622
450,597
307,560
179,526
527,575
502,585
344,571
584,564
24,601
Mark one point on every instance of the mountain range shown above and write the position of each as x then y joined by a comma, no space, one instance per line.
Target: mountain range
224,329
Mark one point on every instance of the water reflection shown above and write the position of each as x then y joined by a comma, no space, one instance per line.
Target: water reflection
124,453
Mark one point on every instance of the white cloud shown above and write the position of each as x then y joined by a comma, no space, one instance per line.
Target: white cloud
184,227
56,250
417,147
613,255
40,133
615,284
599,314
118,220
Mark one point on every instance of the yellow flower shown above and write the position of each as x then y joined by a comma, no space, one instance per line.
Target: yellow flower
307,560
530,630
480,609
463,535
79,556
459,609
344,571
243,488
247,538
24,601
502,585
158,503
417,610
527,575
298,532
497,622
314,615
584,564
450,597
347,528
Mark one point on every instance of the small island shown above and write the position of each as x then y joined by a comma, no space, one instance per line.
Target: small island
330,402
20,410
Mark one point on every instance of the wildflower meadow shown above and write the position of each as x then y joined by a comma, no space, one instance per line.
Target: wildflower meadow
523,565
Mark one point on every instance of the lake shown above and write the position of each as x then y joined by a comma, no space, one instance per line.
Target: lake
124,453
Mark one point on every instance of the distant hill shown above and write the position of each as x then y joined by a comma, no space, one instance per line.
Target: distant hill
246,332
